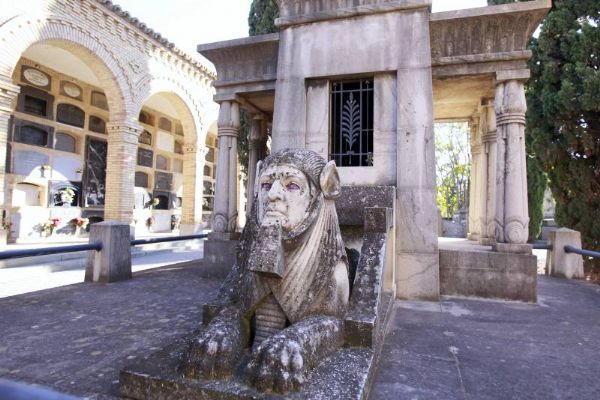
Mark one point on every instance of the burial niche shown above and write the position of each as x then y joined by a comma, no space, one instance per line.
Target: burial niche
26,194
65,142
32,133
70,114
145,157
97,124
99,100
94,182
165,124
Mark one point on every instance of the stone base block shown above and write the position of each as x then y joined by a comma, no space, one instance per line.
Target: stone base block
219,254
560,263
346,374
488,274
417,276
512,248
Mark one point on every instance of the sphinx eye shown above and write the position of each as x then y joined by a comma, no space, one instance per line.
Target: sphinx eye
265,186
292,187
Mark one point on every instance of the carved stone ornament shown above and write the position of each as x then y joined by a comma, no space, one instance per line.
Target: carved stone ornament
278,314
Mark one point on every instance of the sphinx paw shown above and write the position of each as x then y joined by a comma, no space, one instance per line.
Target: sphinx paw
213,354
277,365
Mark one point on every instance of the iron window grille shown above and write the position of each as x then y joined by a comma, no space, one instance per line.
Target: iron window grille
351,138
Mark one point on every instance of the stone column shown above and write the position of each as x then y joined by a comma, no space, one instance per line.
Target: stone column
475,183
488,177
193,178
8,92
512,216
225,208
256,152
120,169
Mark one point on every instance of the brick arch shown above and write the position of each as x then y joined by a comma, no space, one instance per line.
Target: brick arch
191,111
23,31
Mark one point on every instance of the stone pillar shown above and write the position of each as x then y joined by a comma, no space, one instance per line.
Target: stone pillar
417,256
560,263
225,208
113,262
512,215
488,176
193,178
8,92
120,169
256,152
475,182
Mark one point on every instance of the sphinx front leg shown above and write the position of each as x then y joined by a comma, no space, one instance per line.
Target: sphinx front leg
282,362
214,353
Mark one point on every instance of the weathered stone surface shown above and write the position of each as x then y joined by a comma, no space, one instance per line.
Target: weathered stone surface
113,262
488,274
560,263
351,204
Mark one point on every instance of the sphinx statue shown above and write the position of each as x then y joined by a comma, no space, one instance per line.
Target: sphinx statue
280,310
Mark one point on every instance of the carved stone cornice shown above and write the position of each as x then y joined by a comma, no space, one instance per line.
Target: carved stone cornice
296,12
493,33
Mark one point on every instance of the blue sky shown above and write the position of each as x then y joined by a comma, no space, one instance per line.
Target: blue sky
190,22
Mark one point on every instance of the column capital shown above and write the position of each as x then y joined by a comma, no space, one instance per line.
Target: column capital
510,103
521,75
229,119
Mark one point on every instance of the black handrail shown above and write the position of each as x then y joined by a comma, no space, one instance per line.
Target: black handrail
50,250
137,242
542,246
583,252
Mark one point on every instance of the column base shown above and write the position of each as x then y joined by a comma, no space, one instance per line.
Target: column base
512,248
473,236
219,252
190,229
485,241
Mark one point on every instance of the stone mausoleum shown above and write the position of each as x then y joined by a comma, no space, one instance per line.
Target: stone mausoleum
99,115
362,83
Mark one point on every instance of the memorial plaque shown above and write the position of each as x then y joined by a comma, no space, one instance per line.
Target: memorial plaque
141,179
163,181
97,124
70,89
163,200
145,138
35,101
165,141
94,182
178,166
29,163
66,168
165,124
99,100
65,142
36,77
141,198
32,134
57,196
145,158
162,163
70,114
146,118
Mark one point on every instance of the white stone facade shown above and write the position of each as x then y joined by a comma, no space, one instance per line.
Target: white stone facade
132,65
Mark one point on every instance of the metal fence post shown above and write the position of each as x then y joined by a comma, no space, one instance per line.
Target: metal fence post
559,262
113,262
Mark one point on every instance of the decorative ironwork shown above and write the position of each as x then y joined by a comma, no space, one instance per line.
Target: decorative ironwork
351,140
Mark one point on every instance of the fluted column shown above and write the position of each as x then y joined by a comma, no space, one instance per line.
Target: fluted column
120,169
225,208
256,152
475,182
488,177
193,177
512,215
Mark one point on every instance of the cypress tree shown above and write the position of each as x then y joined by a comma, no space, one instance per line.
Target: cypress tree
262,16
564,113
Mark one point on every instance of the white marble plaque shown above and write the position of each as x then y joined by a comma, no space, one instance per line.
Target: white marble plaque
64,168
29,163
165,141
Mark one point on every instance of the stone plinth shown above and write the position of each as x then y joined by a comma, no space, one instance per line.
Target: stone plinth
219,252
560,263
113,262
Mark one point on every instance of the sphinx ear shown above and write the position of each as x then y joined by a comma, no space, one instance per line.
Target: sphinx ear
330,181
256,176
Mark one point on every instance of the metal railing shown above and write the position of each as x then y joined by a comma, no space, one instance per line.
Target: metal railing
582,252
542,246
96,246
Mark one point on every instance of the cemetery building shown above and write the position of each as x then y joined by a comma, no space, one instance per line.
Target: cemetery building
362,83
100,118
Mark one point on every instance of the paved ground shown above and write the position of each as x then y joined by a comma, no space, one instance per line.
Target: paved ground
76,338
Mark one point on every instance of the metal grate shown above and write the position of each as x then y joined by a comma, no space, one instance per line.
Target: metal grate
351,139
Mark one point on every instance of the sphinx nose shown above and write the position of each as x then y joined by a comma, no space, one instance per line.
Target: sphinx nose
276,191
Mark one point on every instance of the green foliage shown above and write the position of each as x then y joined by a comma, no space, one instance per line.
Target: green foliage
453,167
494,2
536,187
564,113
262,17
243,140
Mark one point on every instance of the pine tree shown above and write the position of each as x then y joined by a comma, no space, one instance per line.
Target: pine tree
262,17
564,113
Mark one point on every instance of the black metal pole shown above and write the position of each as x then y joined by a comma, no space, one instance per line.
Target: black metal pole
138,242
583,252
97,246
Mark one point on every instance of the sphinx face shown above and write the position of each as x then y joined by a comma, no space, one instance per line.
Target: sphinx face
284,196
